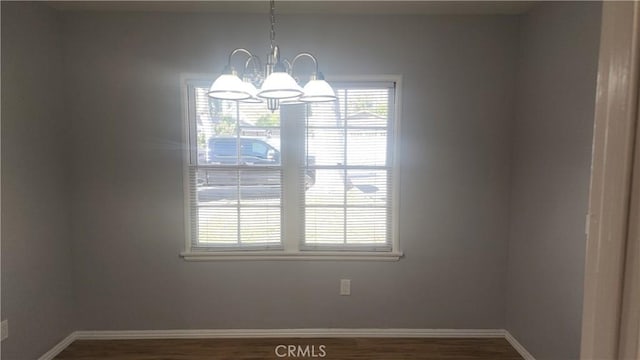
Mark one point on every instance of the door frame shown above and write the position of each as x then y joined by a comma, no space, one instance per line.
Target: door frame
629,344
607,295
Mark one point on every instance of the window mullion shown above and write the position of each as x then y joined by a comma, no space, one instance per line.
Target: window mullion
292,129
238,173
345,172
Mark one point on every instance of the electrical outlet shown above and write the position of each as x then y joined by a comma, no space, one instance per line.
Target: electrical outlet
4,329
345,287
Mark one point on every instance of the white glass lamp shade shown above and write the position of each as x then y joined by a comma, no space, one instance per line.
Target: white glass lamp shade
318,91
228,87
249,88
279,85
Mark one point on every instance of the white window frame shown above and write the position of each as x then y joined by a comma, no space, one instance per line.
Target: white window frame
292,224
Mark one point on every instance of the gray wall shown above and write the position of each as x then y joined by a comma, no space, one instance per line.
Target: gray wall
473,182
37,295
550,177
127,200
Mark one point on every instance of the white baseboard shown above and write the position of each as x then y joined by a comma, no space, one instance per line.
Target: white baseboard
284,333
289,333
57,349
516,345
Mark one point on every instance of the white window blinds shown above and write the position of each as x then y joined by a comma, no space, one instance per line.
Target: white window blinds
349,147
235,174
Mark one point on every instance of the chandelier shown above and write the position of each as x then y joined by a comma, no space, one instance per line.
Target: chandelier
273,83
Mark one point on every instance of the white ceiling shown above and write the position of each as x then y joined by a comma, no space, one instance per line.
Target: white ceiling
305,6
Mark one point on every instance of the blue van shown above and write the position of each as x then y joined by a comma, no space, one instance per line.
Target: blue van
224,151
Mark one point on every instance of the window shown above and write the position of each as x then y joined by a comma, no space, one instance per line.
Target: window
346,141
321,186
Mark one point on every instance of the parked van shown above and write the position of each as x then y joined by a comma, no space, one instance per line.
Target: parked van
253,151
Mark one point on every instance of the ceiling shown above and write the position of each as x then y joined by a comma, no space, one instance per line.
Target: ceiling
305,6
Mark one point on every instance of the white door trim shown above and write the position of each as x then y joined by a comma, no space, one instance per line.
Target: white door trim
629,347
615,119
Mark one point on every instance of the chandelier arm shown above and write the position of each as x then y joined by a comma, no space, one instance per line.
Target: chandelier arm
301,55
288,65
236,51
255,60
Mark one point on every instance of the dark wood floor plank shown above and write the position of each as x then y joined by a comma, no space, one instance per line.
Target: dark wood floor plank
260,349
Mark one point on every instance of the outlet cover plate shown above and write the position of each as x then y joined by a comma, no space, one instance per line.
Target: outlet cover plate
345,287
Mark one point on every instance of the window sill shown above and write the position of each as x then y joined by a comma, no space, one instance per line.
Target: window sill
281,255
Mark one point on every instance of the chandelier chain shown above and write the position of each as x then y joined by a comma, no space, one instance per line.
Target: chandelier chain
272,13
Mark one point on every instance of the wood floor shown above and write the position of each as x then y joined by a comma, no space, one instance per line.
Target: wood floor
334,348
